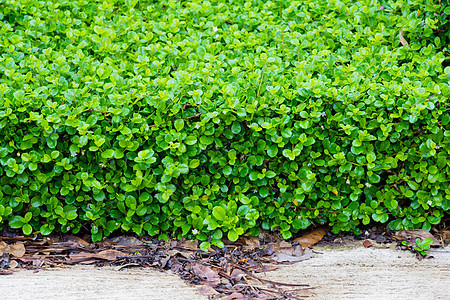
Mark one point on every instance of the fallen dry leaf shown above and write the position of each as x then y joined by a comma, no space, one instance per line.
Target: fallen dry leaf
164,261
4,248
446,236
127,241
13,264
104,255
126,266
250,242
207,290
278,247
413,234
189,244
296,254
32,259
174,252
234,295
311,238
171,243
237,274
284,244
206,273
16,250
403,41
108,254
76,240
367,244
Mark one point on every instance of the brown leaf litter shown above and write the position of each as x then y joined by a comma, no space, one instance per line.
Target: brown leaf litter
231,272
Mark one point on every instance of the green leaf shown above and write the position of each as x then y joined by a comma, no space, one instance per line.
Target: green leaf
52,143
319,162
207,140
194,163
204,246
413,185
227,170
375,178
55,154
190,140
371,157
201,51
381,217
219,213
109,153
100,196
141,210
243,210
289,154
46,229
92,120
27,229
72,215
16,222
236,127
179,124
131,202
270,174
232,235
300,223
272,151
286,235
27,217
19,94
263,191
343,217
3,152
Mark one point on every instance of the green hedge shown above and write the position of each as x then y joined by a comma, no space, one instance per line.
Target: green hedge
198,118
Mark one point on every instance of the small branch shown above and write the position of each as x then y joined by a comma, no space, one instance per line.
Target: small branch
102,112
319,209
260,83
134,256
194,116
188,105
268,281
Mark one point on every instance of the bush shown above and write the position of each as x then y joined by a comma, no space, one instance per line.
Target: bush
197,118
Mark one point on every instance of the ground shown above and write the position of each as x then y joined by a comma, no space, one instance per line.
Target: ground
347,271
372,273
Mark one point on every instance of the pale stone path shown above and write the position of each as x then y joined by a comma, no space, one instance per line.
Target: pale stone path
357,273
89,282
371,273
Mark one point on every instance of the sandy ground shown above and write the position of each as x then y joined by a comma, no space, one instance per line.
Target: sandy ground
349,273
89,282
371,273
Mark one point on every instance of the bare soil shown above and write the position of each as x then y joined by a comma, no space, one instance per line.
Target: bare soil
348,271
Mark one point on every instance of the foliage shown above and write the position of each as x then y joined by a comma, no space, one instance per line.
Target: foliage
420,246
200,118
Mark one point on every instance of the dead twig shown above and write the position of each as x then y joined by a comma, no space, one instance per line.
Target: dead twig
194,116
269,281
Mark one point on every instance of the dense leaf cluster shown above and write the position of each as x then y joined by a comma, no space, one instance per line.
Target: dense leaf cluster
204,118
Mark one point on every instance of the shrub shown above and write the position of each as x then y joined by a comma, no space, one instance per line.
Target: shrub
198,118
